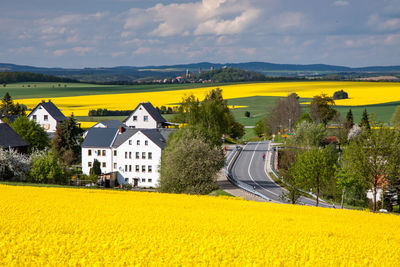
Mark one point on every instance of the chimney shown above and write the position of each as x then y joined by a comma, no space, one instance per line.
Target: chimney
121,130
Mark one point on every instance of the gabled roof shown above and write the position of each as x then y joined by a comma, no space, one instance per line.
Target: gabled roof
125,135
51,109
112,124
9,138
100,137
153,112
156,136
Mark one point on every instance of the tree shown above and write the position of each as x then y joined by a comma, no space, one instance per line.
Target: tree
32,133
261,129
308,134
13,165
365,121
212,115
46,168
395,120
321,109
96,169
247,114
8,108
284,114
313,169
340,95
190,163
349,120
368,157
304,117
65,142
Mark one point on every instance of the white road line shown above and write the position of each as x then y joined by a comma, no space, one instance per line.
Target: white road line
251,177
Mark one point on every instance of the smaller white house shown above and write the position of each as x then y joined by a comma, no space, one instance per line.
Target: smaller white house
47,115
111,124
145,116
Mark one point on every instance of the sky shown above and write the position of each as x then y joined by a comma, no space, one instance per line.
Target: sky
107,33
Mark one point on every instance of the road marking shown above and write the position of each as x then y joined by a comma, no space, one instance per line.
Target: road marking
251,177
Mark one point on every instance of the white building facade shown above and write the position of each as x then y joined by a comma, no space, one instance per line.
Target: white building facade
47,115
133,154
145,116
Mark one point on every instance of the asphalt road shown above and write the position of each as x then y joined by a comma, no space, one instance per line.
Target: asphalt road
250,168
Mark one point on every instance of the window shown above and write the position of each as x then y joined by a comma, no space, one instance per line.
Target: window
130,142
104,164
146,143
130,168
89,164
98,152
143,168
137,155
126,168
143,155
34,117
150,155
143,180
130,155
145,118
149,180
115,152
134,118
104,152
138,142
46,117
149,168
89,152
137,168
126,154
115,165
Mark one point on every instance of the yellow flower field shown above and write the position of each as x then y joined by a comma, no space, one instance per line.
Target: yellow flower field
82,227
360,93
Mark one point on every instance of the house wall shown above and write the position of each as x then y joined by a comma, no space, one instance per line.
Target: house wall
146,178
107,159
49,125
140,112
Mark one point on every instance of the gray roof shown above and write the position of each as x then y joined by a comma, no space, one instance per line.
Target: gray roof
155,136
113,124
99,137
51,109
125,135
9,138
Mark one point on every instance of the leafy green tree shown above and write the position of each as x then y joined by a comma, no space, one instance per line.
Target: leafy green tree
190,163
321,109
212,115
395,120
7,107
32,133
313,169
261,129
247,114
364,120
340,95
65,142
368,157
304,117
46,168
96,169
349,120
308,134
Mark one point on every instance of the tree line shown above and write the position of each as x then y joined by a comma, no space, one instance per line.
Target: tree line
18,77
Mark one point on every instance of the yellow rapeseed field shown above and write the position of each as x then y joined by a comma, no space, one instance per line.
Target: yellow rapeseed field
360,93
82,227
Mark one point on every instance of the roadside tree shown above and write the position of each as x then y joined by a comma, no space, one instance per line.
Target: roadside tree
284,114
321,109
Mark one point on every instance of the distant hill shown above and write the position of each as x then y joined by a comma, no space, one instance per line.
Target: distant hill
18,77
132,73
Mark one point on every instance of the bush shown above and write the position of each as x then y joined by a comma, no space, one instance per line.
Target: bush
13,165
340,95
47,168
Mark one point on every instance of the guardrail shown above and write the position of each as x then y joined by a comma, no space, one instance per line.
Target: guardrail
228,166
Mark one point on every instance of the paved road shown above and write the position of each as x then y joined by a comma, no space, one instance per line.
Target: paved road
250,168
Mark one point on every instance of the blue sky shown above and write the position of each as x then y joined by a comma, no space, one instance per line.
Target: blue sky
105,33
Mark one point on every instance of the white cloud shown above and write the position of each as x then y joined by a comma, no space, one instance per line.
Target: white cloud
215,17
60,52
287,21
340,3
384,24
82,50
392,39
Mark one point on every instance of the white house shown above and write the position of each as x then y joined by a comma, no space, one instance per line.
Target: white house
145,116
47,115
112,124
134,155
